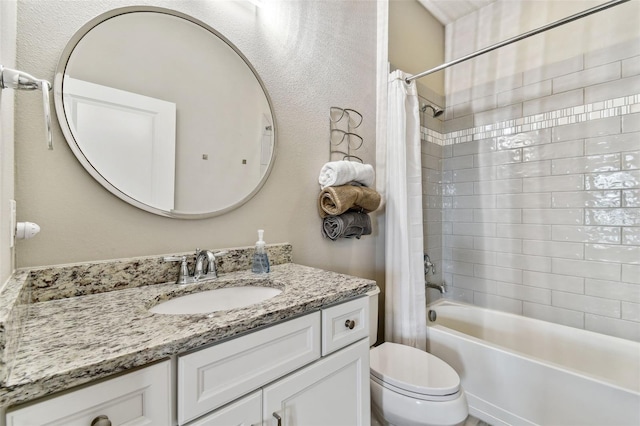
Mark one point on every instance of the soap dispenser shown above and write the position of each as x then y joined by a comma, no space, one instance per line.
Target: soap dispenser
260,258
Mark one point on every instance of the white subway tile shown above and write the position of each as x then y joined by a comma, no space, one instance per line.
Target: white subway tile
497,115
528,200
614,327
586,234
553,102
612,290
474,201
631,122
554,314
631,274
474,283
564,283
497,215
553,249
631,160
535,232
631,198
553,183
612,253
631,67
612,217
497,85
587,304
529,169
612,143
586,129
504,245
498,274
613,53
553,216
458,268
455,124
555,69
631,236
631,311
496,158
475,229
522,139
458,241
460,188
459,294
476,174
430,162
586,268
455,163
502,186
611,90
588,77
473,256
524,93
474,147
623,179
587,199
499,303
458,215
590,164
553,150
475,105
526,262
523,292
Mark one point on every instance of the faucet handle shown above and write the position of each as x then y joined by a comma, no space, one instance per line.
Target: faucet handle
184,268
220,253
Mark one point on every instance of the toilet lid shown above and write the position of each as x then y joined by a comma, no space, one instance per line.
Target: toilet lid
413,370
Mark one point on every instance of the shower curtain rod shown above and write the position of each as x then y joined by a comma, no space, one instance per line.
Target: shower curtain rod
522,36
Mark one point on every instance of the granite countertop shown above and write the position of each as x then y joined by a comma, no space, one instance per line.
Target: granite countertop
75,340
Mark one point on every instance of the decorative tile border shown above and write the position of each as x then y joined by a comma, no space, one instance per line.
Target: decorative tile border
594,111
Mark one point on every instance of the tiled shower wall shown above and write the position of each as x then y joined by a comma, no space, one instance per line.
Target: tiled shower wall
535,187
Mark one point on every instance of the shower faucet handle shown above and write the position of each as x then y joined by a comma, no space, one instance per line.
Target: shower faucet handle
428,265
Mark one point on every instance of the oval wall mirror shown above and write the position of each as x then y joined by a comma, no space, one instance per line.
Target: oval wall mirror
165,112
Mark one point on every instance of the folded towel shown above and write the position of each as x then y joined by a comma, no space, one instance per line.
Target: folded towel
336,173
347,225
336,200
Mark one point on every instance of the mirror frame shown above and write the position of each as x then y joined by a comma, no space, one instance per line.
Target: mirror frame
77,151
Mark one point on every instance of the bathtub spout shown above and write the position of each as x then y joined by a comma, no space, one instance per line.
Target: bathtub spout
440,287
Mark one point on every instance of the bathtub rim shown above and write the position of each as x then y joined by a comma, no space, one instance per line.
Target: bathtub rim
522,355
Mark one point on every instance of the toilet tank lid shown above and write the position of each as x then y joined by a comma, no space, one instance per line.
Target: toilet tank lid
413,370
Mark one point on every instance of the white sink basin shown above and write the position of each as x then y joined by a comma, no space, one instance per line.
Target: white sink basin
221,299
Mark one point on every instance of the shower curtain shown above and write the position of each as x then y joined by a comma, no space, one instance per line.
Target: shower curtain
405,311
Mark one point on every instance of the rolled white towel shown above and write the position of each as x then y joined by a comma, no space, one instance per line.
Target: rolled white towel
335,173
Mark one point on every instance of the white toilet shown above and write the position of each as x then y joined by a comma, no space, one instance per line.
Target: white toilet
410,387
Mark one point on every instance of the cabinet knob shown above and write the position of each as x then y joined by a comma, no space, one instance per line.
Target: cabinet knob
278,418
101,420
350,324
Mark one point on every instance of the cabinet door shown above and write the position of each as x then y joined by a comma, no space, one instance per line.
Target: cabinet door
142,397
246,411
332,391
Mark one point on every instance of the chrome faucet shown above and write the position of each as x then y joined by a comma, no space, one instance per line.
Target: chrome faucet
440,287
202,271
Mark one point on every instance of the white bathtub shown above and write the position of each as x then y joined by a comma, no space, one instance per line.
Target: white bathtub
522,371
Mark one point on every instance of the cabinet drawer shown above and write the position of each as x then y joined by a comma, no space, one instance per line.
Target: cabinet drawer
142,397
212,377
246,411
344,324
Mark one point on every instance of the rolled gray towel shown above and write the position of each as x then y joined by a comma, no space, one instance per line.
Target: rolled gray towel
346,225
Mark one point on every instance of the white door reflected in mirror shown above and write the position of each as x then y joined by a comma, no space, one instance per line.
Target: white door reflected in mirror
165,113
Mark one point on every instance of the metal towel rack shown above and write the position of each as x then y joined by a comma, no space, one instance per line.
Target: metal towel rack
20,80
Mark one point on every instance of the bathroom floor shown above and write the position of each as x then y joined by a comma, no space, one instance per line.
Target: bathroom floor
472,421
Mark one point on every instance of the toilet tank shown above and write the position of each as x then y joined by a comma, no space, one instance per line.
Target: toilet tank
373,315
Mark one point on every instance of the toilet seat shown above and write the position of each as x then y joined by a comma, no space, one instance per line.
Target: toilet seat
414,373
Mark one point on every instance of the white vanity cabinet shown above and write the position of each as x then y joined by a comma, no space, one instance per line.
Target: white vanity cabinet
312,370
142,397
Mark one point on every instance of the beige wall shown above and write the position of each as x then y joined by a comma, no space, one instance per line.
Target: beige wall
416,44
7,59
311,55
